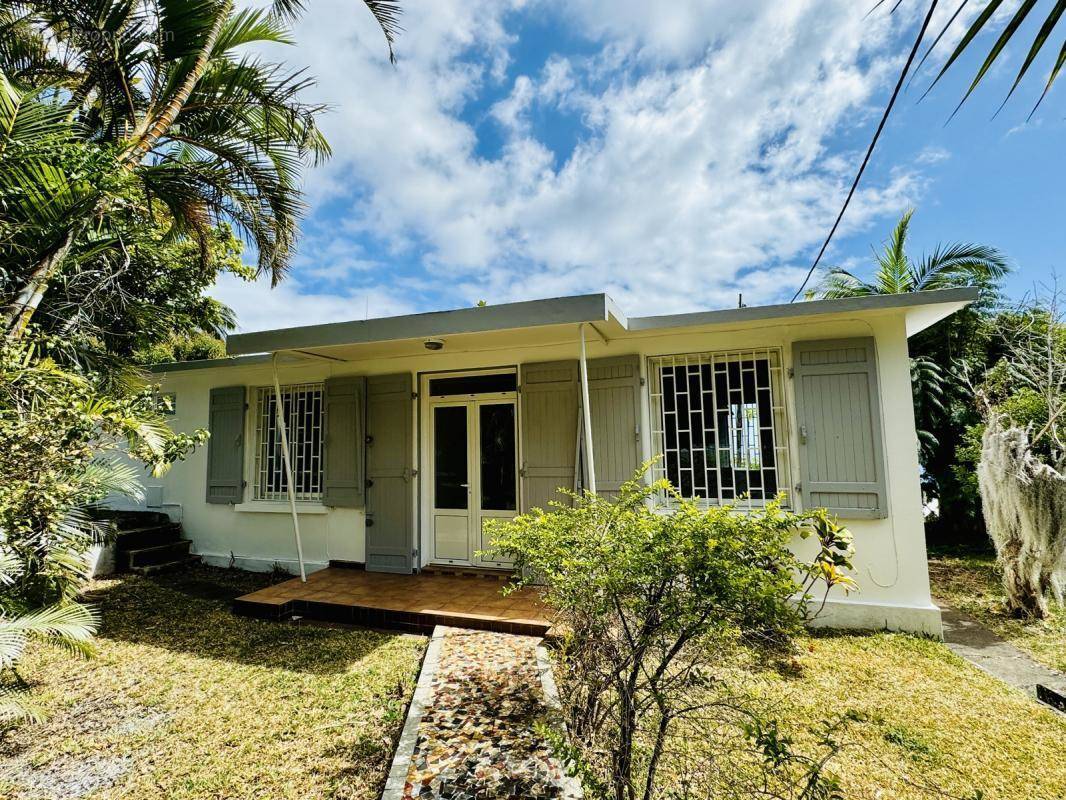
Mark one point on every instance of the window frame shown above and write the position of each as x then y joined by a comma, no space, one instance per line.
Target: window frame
778,428
261,452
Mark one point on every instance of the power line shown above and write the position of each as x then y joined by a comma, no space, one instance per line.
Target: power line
870,149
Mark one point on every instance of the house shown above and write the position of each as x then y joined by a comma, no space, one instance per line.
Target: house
407,433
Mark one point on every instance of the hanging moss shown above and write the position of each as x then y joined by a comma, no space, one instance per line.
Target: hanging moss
1024,501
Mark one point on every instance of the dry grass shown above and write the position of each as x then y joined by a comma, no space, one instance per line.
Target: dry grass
930,726
185,700
971,583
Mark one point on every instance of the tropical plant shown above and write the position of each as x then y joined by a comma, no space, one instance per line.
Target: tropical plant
69,625
896,272
169,114
651,605
67,445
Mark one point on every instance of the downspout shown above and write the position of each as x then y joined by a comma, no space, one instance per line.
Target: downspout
290,483
590,462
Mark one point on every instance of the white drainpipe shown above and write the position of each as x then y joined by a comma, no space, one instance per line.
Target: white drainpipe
590,462
279,413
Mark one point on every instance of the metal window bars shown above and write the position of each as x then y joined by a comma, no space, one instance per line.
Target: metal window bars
302,409
719,426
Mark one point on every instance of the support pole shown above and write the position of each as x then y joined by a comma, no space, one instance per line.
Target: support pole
590,462
279,413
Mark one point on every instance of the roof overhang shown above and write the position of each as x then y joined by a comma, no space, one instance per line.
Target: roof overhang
922,309
553,321
590,308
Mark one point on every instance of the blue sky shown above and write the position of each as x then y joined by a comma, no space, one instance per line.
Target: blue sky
533,148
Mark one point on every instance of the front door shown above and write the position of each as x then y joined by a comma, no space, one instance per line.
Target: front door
474,476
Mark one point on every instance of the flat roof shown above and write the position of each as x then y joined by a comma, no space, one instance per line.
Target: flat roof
927,308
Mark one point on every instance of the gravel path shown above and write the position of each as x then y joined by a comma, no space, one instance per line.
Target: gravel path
472,731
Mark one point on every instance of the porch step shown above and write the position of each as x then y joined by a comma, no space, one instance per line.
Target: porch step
126,520
155,569
148,536
470,572
168,553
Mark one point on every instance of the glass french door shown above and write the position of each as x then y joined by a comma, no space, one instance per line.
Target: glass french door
475,477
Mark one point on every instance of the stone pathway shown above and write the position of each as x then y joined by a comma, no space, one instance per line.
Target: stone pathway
968,638
471,729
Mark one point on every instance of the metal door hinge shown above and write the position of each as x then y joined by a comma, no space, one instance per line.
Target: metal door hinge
792,372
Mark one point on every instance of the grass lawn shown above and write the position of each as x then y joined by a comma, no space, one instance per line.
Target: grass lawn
930,721
185,700
971,583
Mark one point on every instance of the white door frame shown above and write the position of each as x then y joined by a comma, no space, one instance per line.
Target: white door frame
426,469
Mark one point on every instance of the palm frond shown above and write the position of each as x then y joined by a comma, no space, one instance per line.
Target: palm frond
16,706
1007,35
68,625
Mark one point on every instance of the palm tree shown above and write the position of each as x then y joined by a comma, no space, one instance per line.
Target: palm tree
186,121
946,267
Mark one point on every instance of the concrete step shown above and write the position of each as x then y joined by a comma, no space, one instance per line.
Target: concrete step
126,520
155,569
148,536
160,554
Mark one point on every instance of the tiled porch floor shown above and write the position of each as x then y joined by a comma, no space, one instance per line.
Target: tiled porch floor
406,602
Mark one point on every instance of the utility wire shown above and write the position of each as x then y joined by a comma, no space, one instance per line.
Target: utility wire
870,149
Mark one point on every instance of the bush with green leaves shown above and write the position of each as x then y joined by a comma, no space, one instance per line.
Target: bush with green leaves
64,446
651,603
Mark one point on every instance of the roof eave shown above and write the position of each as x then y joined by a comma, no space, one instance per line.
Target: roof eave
485,319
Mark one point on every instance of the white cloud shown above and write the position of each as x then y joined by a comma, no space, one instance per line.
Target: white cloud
708,162
292,303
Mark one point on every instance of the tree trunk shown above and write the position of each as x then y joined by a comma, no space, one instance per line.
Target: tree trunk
19,312
1024,504
155,126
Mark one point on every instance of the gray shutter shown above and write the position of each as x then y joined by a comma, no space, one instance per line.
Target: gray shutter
343,474
841,453
549,431
390,484
225,448
614,401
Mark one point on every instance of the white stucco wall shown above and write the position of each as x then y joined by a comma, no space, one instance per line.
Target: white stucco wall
891,564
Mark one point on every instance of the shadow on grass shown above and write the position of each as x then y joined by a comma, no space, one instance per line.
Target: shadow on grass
189,611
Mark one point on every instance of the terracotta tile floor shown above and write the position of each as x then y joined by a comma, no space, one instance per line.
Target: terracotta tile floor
415,599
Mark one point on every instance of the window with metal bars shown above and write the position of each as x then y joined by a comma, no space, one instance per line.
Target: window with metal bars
719,426
302,410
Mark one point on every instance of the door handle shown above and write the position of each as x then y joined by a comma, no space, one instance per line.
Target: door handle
803,434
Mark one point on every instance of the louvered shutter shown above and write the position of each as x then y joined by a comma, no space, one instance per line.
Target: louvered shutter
841,451
549,431
344,474
390,476
614,400
225,448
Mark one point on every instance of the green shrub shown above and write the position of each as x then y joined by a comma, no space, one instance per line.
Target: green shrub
651,603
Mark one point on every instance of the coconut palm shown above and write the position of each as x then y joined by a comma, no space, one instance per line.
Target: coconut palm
946,267
174,114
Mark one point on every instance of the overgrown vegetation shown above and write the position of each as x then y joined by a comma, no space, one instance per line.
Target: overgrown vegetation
1022,467
654,608
66,444
135,138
